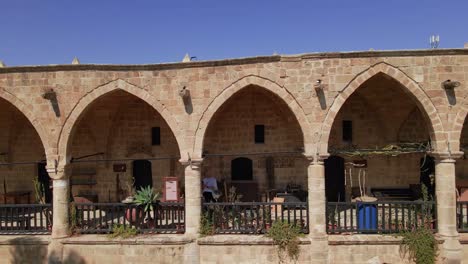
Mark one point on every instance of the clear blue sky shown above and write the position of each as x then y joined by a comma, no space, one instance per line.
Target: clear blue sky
137,32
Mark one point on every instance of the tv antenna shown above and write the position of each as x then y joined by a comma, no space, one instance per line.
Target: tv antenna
434,41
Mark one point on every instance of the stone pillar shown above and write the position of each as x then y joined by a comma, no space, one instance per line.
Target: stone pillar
317,205
192,196
446,207
60,203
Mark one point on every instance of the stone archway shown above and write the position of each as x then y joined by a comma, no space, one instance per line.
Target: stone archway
458,122
24,109
411,88
240,84
83,104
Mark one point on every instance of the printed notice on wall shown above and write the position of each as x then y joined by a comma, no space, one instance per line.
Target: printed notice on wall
171,189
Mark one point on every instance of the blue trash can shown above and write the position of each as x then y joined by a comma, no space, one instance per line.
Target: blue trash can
367,216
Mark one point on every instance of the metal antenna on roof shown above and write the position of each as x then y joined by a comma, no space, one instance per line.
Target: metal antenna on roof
434,41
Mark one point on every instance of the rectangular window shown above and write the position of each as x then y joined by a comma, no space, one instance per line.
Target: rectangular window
347,131
259,134
156,136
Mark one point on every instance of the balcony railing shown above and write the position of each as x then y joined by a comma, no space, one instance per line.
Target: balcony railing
100,218
380,217
25,219
462,217
254,217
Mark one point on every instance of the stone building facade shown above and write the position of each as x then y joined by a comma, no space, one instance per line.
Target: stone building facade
61,114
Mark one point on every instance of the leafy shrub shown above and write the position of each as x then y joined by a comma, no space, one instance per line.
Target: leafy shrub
286,237
122,231
206,226
420,244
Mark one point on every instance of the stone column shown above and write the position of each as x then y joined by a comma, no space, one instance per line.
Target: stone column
192,195
446,206
317,205
60,196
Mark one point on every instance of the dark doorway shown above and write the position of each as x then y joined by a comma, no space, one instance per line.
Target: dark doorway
44,179
142,174
334,179
241,169
428,169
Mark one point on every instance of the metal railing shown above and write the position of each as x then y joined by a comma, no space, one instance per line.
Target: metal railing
380,217
462,217
254,217
100,218
25,219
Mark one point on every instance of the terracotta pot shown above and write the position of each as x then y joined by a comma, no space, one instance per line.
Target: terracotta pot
150,223
180,228
131,215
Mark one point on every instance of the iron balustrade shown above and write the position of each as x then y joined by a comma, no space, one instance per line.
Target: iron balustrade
462,217
100,218
254,217
25,219
380,216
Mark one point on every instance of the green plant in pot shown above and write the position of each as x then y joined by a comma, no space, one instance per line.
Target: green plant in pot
145,198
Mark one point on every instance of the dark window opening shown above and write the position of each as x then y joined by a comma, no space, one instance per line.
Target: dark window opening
259,134
335,179
347,131
241,169
142,174
156,136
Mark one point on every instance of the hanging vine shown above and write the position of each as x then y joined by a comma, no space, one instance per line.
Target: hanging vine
388,150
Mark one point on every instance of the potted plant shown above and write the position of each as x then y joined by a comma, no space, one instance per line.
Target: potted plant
145,198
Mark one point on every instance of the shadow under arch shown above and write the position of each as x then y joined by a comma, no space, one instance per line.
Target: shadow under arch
30,117
263,83
409,86
86,101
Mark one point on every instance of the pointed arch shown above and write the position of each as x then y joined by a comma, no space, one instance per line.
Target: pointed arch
83,104
240,84
28,113
410,86
456,129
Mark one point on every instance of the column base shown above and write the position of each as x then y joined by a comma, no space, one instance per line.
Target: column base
55,252
192,253
60,232
452,251
318,248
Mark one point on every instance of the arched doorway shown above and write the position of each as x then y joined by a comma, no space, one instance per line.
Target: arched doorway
241,169
335,179
142,173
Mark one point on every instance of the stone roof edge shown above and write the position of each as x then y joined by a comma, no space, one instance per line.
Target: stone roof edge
238,61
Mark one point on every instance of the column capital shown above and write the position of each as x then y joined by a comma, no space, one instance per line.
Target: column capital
59,172
447,157
316,158
194,163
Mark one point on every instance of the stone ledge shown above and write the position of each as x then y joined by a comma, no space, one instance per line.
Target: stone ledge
243,240
464,238
363,240
359,239
236,61
138,240
25,240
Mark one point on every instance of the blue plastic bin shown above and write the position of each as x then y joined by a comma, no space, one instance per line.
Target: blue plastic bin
367,217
